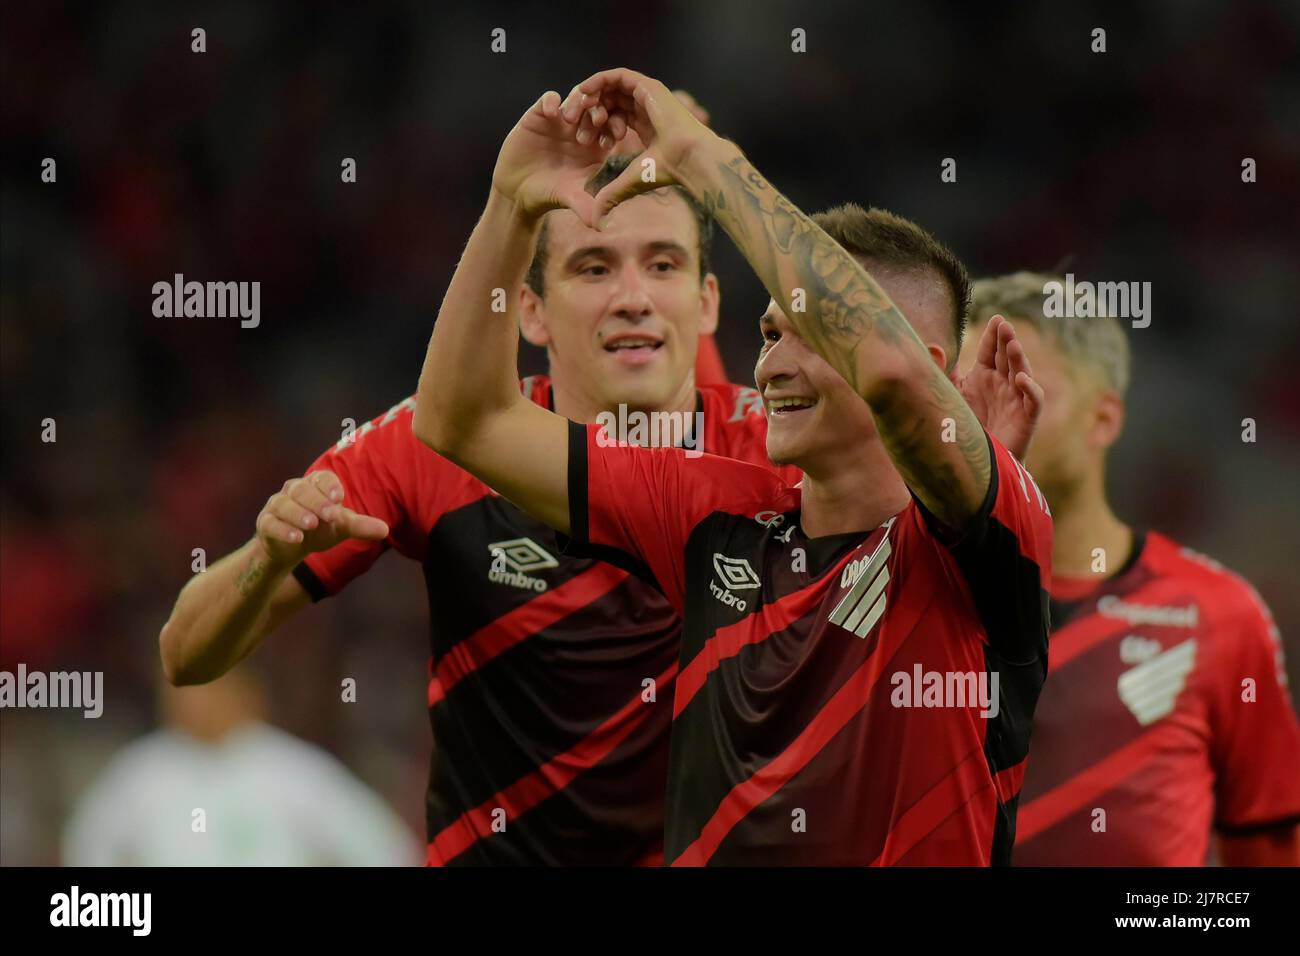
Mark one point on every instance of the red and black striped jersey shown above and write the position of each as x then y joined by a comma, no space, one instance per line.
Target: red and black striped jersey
848,699
1165,715
549,745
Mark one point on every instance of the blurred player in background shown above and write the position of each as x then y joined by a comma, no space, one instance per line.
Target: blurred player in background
1165,715
788,746
216,786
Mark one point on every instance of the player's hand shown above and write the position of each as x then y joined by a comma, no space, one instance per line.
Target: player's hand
308,515
610,103
1001,390
632,144
545,165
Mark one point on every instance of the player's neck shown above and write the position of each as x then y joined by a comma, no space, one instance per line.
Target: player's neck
1082,522
856,499
580,406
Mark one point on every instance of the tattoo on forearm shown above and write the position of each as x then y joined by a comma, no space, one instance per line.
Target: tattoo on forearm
251,576
845,305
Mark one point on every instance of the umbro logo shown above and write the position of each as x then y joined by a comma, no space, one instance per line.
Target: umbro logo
736,575
511,560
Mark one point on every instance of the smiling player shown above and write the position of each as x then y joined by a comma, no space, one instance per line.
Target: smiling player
914,540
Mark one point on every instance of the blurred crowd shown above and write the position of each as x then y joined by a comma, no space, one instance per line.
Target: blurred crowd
225,165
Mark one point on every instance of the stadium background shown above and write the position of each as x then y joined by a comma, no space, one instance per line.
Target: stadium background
225,166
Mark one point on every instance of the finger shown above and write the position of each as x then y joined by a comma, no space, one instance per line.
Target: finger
272,528
1000,356
572,106
598,116
1018,359
616,79
549,104
586,131
328,483
579,202
626,185
617,126
306,493
292,513
1032,396
988,345
361,526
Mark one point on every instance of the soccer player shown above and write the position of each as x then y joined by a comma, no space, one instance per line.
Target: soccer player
1165,715
548,746
551,675
862,653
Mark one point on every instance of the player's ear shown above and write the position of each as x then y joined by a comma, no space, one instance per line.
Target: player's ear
940,358
1108,418
531,325
710,302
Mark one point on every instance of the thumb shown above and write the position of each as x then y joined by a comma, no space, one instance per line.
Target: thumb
643,174
355,525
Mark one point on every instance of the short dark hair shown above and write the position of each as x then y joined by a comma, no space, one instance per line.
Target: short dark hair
608,172
880,236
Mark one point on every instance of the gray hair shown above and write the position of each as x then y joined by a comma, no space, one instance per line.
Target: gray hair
1099,342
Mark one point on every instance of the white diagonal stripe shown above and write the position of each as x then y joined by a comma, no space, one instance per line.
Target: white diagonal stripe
864,581
1150,690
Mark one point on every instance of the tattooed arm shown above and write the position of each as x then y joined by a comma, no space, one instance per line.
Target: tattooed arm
223,614
831,300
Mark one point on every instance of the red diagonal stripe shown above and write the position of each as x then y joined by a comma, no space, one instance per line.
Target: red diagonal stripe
1051,807
767,780
964,782
728,641
527,619
830,720
550,778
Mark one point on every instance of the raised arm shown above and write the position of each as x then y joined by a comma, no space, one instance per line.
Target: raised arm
469,408
833,303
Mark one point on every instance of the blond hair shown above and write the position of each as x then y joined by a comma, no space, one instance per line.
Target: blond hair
1097,342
